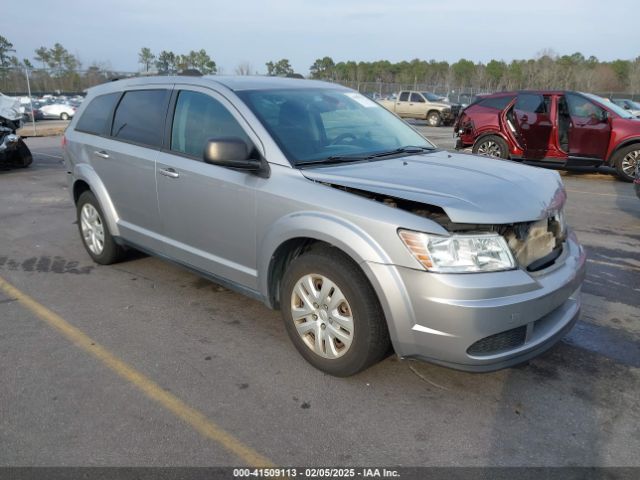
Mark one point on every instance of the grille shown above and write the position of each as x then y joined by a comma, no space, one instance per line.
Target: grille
499,342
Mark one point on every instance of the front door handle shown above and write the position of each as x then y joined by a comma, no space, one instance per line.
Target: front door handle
169,172
101,154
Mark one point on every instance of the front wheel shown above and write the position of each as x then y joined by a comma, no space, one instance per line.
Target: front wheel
625,160
491,146
434,119
64,116
332,314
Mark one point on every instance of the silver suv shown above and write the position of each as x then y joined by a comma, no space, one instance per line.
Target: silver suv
319,202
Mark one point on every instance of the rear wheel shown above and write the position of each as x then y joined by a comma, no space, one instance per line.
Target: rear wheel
491,146
625,161
64,116
96,238
434,119
332,313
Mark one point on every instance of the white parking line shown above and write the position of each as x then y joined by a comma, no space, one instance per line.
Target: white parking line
615,265
47,155
601,194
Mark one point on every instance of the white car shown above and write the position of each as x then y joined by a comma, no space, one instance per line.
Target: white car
58,110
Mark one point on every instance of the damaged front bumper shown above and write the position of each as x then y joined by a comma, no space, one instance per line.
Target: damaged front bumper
481,321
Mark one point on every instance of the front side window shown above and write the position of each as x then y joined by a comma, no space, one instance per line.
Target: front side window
199,118
140,116
312,124
416,97
580,106
96,118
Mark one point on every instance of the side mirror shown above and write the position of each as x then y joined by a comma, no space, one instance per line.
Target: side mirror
233,152
626,107
604,116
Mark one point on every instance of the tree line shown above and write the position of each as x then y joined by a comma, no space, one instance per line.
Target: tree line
547,71
56,68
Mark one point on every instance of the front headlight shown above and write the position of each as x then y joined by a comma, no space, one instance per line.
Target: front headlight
459,253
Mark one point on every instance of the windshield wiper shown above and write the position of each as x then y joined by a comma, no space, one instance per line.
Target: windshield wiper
333,159
411,149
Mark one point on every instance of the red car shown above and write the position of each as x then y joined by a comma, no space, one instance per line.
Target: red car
552,128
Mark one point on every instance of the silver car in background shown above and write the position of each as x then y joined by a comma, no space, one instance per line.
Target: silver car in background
317,201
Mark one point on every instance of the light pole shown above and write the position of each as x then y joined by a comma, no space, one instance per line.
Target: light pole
33,115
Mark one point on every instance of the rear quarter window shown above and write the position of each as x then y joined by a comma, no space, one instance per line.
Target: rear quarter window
140,117
96,118
532,102
499,103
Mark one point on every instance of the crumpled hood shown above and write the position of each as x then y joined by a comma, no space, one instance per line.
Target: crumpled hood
469,188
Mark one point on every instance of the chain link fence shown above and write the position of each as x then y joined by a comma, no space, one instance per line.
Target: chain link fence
455,94
37,82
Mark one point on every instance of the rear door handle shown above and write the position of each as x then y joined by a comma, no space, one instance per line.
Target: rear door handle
169,172
101,154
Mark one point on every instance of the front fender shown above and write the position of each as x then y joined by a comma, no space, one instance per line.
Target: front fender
336,231
86,173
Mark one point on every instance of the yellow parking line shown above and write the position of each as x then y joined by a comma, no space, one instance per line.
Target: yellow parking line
190,415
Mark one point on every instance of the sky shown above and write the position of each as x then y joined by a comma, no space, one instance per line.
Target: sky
112,32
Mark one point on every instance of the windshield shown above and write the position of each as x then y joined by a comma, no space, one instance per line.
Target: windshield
311,125
432,97
610,105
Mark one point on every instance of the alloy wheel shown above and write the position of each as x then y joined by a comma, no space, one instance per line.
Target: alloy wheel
322,316
92,229
629,162
490,149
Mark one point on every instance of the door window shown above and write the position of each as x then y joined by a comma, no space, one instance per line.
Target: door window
199,118
583,107
140,117
404,97
416,97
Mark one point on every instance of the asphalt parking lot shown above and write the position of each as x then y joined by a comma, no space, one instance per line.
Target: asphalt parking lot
143,363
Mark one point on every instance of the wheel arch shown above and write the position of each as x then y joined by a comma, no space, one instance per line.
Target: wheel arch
294,234
491,133
623,144
86,179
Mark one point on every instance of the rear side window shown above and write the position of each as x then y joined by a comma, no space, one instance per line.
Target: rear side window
140,117
404,97
532,102
498,103
198,118
96,118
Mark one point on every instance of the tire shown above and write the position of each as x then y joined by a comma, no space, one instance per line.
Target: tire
434,119
366,338
64,116
110,252
625,161
21,157
491,146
